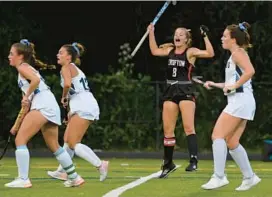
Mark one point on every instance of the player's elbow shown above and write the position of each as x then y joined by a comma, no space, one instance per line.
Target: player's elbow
251,72
154,52
210,53
36,81
67,85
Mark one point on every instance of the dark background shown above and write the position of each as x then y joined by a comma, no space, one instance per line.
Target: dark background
103,26
131,109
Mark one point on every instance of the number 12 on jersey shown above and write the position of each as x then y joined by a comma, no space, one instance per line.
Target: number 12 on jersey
84,82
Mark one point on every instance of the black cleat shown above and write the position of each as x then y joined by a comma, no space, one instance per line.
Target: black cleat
167,169
192,165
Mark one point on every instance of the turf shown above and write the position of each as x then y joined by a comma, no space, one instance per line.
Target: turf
124,171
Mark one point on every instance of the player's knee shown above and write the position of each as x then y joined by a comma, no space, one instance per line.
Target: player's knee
19,141
216,134
72,144
232,143
189,130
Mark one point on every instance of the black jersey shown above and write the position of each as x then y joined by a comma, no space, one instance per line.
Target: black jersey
179,68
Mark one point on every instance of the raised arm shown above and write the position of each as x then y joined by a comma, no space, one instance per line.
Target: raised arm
208,52
155,50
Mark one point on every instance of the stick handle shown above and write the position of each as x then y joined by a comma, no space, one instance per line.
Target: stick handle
20,118
140,43
166,4
66,110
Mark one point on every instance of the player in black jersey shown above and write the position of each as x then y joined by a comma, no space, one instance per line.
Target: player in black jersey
179,93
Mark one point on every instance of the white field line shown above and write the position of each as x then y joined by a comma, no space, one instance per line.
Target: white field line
118,191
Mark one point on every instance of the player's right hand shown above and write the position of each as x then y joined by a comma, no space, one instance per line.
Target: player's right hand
25,103
151,27
13,130
208,85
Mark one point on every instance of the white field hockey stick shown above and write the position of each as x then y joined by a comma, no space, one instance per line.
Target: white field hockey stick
166,4
197,80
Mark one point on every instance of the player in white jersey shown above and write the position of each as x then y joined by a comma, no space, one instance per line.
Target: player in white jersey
44,115
83,109
240,108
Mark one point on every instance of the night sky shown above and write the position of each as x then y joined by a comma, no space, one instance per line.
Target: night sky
101,26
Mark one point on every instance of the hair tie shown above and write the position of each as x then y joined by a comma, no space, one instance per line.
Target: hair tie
74,45
242,27
25,42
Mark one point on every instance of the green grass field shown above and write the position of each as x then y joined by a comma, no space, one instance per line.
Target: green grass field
124,171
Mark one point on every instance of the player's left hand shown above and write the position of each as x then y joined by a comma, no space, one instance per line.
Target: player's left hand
64,102
228,88
204,30
65,121
25,102
13,130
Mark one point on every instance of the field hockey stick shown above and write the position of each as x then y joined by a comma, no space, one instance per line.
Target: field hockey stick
164,7
16,126
66,110
197,80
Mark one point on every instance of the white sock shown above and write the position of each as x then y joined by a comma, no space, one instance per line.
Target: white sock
219,157
22,160
71,152
87,153
66,162
239,155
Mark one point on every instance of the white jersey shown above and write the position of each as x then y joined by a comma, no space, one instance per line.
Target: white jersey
81,100
233,74
79,83
23,84
241,102
42,98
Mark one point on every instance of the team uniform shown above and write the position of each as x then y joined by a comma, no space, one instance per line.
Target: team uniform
179,85
179,88
42,98
81,100
241,102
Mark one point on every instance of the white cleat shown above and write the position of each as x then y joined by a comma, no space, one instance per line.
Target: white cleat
248,183
103,169
58,175
74,182
215,182
19,183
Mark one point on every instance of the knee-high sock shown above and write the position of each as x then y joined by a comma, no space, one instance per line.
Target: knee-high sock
239,155
22,160
66,162
87,153
71,152
169,145
219,157
192,146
